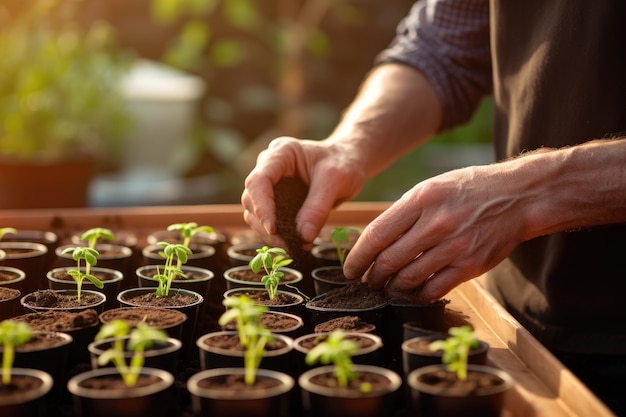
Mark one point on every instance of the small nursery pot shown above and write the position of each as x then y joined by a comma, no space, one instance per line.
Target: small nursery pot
47,351
415,353
162,355
35,302
326,278
279,322
279,359
429,400
150,400
218,400
202,256
199,279
169,320
30,257
112,256
240,254
331,401
9,302
12,277
59,279
27,401
293,303
242,276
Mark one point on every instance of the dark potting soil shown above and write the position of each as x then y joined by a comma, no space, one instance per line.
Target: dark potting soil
251,276
262,297
19,384
6,275
361,341
59,321
377,381
101,275
231,342
188,274
54,299
332,275
160,318
447,381
41,340
236,383
289,195
348,323
354,295
118,383
273,322
174,299
8,293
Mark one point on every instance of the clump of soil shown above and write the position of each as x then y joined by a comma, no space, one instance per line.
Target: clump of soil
355,295
289,195
352,324
55,299
59,321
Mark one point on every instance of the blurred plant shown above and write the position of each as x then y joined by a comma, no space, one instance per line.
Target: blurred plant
59,90
12,334
456,349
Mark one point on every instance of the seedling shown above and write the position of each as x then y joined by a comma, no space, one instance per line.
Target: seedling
175,254
340,237
139,340
91,236
456,349
189,230
90,257
253,336
12,334
6,230
336,349
271,260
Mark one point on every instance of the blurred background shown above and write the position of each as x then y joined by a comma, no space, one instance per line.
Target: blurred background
112,103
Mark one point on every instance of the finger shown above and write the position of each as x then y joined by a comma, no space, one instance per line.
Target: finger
258,200
314,212
440,284
269,239
386,231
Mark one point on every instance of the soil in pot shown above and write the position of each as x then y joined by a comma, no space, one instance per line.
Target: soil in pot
25,395
174,299
283,301
368,348
59,279
277,322
354,296
12,277
166,319
326,278
353,324
63,300
244,276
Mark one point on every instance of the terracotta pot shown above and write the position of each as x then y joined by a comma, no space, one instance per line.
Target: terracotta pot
223,402
169,320
277,359
291,277
31,258
59,279
161,355
30,401
415,353
12,278
332,401
428,401
153,400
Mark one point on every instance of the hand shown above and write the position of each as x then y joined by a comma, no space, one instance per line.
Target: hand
444,231
331,172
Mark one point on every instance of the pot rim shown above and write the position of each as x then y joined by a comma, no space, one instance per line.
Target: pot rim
378,342
38,249
287,384
413,382
122,251
34,308
299,299
67,339
182,315
171,345
305,383
166,381
121,294
117,274
206,251
21,275
46,386
209,274
482,348
298,276
289,344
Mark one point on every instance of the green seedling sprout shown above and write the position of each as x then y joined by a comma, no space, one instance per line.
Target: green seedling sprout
456,349
7,230
337,350
12,334
90,257
175,254
271,260
253,336
139,340
91,236
188,231
340,237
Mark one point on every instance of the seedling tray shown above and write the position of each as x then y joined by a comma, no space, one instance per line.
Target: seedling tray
543,386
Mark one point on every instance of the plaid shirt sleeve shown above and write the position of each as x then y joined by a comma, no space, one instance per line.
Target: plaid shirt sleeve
448,40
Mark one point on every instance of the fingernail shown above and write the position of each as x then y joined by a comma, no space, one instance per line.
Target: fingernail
308,232
268,227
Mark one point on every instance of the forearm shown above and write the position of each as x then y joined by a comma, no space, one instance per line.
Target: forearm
571,188
396,110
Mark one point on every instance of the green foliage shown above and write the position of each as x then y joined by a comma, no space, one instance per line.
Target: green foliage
7,230
59,91
340,237
91,236
12,334
336,350
139,339
271,260
456,349
175,254
90,258
253,336
189,230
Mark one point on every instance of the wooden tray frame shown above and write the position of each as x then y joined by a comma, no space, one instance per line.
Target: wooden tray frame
544,387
